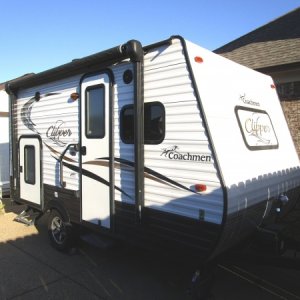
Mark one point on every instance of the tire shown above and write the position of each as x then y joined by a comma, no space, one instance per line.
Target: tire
60,231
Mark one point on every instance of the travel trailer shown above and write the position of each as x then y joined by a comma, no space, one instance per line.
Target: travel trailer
4,143
168,145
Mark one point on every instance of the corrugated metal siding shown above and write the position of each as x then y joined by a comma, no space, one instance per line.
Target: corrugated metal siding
167,80
124,175
57,110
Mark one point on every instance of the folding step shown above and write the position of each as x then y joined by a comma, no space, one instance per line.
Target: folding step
28,216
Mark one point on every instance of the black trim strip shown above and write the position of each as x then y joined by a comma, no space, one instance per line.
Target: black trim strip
111,149
13,142
139,129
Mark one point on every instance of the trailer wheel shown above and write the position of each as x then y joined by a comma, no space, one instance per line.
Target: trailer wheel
60,232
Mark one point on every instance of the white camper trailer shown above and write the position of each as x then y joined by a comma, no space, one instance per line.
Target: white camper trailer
4,143
168,145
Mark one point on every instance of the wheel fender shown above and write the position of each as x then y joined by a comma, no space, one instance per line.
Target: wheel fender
53,204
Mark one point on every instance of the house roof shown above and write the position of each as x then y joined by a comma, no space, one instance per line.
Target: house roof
274,44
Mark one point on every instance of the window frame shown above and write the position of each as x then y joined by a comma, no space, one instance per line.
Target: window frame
146,141
27,179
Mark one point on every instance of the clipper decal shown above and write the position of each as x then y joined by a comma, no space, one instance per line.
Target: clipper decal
256,128
56,131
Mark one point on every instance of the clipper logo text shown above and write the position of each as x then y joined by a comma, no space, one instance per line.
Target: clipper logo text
55,132
254,126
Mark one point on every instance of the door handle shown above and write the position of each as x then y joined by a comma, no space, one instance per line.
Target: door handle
83,150
21,169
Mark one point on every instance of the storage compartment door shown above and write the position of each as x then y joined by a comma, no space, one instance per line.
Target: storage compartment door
30,170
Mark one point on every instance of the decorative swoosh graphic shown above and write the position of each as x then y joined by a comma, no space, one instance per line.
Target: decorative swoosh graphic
93,176
119,164
156,175
26,112
84,172
148,173
26,115
59,154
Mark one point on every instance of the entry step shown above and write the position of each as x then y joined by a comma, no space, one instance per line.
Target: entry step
98,241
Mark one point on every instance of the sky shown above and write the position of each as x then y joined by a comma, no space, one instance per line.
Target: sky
38,35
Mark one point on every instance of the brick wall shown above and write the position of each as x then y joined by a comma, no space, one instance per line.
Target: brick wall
291,109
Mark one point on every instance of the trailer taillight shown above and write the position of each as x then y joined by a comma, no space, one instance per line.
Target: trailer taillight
198,59
199,187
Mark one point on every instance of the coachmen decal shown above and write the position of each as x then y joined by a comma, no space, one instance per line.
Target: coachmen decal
173,153
257,129
245,99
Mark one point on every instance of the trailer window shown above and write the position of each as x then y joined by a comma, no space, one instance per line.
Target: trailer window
95,112
154,123
29,164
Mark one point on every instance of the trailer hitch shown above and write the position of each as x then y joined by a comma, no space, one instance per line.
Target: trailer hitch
282,201
202,282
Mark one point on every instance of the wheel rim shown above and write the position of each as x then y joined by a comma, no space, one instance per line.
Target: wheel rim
58,230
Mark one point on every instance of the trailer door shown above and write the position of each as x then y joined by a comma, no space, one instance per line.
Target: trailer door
30,170
95,161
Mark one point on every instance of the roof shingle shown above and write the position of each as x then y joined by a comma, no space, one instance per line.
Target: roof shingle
276,43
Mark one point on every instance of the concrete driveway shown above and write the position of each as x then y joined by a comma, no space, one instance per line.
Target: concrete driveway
31,269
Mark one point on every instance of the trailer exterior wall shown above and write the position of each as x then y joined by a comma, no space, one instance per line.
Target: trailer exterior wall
255,172
55,119
178,157
171,202
203,145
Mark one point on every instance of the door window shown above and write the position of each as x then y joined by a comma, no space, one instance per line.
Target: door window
29,164
95,112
